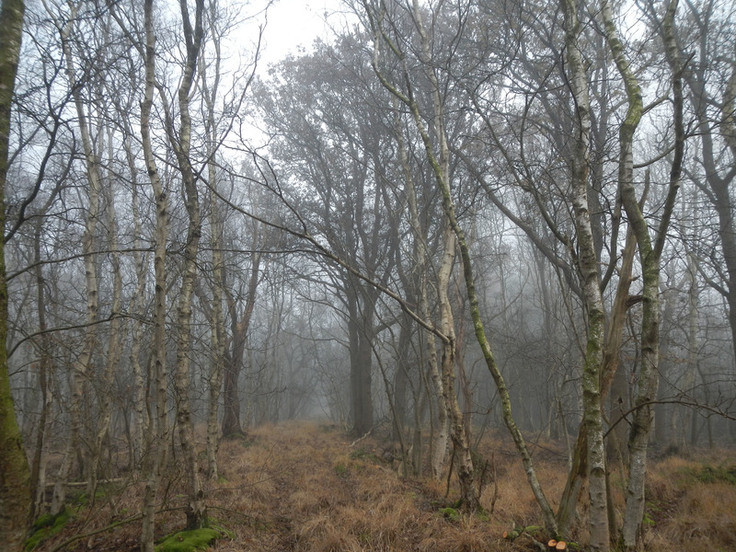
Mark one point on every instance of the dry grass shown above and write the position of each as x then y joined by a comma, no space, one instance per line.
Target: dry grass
687,508
303,487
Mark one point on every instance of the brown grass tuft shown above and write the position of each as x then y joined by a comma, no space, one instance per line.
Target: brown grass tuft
303,487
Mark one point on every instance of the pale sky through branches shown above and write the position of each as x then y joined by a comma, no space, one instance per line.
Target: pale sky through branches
295,24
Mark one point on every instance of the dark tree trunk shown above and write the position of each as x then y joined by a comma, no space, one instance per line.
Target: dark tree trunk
231,398
231,426
15,496
361,364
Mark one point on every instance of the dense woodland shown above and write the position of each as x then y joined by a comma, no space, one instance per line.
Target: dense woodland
451,218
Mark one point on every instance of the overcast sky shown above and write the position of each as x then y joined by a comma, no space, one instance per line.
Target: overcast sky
295,23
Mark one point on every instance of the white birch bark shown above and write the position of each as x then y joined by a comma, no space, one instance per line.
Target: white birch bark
181,144
209,93
158,374
590,278
83,364
114,336
438,450
137,306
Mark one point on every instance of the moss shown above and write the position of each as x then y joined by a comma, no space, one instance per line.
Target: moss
46,527
363,454
718,474
191,541
82,498
341,470
450,514
483,516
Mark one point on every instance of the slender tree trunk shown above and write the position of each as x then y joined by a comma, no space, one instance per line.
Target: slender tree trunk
83,366
466,391
45,372
610,374
217,332
401,377
439,439
590,278
15,496
114,351
688,383
181,144
443,185
441,168
440,376
231,426
209,94
361,313
649,255
158,376
455,419
137,306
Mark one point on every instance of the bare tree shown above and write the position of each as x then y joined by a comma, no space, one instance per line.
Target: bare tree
180,142
158,374
649,254
15,497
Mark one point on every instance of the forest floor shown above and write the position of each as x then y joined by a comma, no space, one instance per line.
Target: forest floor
307,487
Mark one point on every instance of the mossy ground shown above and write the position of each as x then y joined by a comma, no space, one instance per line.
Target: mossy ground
191,541
46,527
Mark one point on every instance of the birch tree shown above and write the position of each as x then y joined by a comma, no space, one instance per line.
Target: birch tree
590,278
436,148
157,445
66,27
650,253
180,141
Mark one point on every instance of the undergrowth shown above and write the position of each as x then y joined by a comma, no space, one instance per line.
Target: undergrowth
714,474
192,541
46,527
303,487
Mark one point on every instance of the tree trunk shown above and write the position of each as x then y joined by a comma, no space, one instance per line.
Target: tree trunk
442,372
83,366
649,256
401,377
590,278
360,343
156,446
181,143
455,419
15,496
439,439
209,94
610,375
137,306
441,179
45,369
114,338
218,334
231,426
688,383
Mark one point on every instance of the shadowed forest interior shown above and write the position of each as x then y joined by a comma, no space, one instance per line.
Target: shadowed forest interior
459,276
